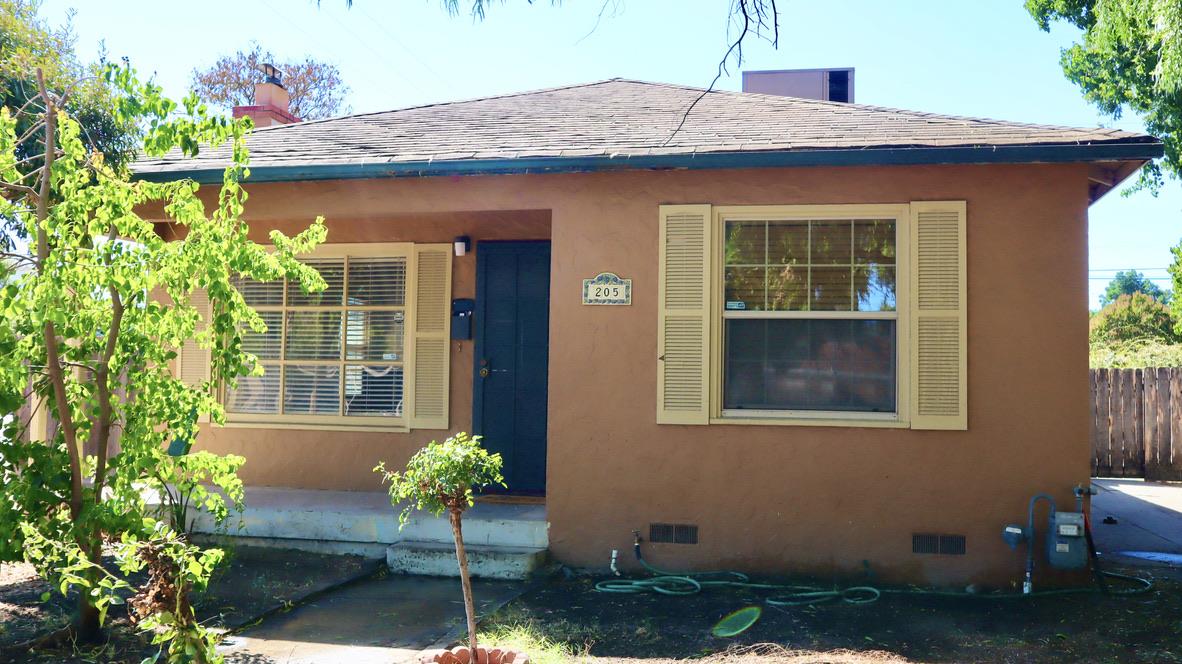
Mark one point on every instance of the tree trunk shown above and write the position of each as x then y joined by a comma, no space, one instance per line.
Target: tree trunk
465,580
87,628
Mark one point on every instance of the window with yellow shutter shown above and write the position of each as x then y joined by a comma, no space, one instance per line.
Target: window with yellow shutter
350,355
826,315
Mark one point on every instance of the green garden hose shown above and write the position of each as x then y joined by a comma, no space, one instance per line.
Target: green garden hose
691,583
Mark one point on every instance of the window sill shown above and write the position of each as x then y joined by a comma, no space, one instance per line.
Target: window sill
363,428
858,420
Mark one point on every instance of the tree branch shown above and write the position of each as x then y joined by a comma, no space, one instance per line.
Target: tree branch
53,359
101,434
736,46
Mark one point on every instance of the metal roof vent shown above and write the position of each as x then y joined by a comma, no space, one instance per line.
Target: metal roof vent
831,84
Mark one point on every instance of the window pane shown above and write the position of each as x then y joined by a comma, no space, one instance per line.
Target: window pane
745,241
787,288
377,282
374,335
332,270
373,391
823,365
788,242
874,288
830,242
311,390
874,242
313,335
260,293
255,394
265,344
745,288
830,289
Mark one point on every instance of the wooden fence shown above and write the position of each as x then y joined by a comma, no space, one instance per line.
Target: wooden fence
1137,423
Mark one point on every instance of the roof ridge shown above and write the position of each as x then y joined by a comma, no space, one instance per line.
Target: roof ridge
443,103
868,107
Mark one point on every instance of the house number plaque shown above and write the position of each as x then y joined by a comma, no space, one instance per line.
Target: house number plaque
607,288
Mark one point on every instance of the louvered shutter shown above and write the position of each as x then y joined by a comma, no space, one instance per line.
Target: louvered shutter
939,367
193,361
683,306
432,327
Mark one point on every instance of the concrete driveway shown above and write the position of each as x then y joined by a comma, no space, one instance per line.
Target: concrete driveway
1148,519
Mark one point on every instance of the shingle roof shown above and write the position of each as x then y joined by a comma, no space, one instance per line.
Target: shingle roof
634,123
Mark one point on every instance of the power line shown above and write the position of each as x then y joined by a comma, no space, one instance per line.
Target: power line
1127,269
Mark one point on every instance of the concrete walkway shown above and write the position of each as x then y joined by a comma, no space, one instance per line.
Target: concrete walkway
379,621
1148,517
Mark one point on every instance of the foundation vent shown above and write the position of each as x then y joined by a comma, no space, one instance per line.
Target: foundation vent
673,533
948,545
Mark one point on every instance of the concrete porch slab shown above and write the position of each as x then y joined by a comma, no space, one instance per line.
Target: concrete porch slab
484,561
364,522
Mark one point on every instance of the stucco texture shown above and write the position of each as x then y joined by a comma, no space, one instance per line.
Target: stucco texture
827,501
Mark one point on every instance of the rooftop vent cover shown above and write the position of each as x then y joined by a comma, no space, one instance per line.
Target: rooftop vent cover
830,84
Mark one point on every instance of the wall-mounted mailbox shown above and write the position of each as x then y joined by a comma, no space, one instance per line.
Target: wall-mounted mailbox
461,317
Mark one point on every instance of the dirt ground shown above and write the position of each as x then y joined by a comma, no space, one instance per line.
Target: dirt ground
657,629
252,582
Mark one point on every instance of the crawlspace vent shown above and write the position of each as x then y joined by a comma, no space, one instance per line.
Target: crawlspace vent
673,533
948,545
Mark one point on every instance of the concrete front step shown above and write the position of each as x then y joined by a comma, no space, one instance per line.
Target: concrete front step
363,522
484,561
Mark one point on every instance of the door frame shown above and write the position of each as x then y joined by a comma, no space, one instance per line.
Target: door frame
478,344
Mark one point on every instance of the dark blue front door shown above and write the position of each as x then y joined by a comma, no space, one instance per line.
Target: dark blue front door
512,326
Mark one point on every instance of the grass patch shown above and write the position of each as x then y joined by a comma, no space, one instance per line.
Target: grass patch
549,642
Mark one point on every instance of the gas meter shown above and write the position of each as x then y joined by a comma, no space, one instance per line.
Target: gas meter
1067,546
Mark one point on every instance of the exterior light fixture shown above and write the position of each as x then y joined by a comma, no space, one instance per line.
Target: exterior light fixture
463,245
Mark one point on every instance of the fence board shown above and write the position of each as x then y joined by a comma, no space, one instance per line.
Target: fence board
1175,418
1136,423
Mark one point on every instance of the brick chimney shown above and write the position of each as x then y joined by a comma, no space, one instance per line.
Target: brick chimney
270,101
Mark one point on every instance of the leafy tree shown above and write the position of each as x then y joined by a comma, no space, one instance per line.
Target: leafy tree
439,478
89,325
1129,282
1133,317
1176,278
28,43
316,88
1130,57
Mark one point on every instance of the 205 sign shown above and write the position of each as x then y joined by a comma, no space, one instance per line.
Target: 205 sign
607,288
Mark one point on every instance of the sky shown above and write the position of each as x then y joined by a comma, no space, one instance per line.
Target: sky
982,58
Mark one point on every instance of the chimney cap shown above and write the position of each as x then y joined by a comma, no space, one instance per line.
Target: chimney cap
272,74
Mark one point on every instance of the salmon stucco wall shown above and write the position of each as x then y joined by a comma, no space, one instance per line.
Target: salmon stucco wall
820,500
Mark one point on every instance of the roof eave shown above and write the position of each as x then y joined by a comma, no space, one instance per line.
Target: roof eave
880,156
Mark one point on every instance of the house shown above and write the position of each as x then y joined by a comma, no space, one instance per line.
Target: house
774,334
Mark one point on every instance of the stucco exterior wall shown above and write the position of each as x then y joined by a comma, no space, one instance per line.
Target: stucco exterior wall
819,500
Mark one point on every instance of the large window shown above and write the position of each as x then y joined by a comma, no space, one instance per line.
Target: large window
810,316
331,356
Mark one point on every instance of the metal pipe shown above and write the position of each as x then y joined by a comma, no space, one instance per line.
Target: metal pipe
1028,584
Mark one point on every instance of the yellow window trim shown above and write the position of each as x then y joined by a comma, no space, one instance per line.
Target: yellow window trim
399,424
901,213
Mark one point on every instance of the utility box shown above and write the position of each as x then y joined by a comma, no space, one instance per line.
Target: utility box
1067,545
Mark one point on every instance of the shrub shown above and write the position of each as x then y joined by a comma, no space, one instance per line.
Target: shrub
1132,318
